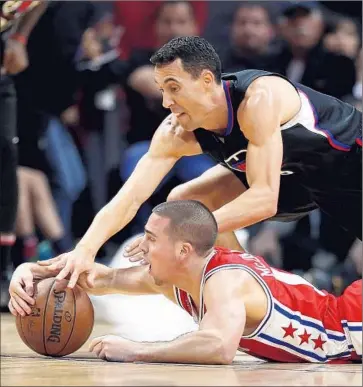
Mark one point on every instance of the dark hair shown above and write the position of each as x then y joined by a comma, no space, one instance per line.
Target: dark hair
196,54
190,221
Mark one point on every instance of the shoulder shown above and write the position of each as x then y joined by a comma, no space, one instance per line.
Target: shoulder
231,289
268,99
228,282
270,85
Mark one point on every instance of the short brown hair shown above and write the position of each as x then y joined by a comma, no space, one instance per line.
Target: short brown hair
190,221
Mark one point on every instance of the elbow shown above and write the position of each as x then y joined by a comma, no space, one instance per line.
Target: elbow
271,204
271,208
224,353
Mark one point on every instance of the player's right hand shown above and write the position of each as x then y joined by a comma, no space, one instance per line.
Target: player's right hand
21,290
133,252
73,264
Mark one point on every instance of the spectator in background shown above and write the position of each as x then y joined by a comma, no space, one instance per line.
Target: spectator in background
305,59
17,19
355,98
251,37
344,38
45,90
36,208
172,19
133,14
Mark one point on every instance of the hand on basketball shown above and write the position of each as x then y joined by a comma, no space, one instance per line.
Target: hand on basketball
133,251
72,265
15,57
114,348
21,291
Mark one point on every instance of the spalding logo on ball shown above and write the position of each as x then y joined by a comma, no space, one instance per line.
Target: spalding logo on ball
60,322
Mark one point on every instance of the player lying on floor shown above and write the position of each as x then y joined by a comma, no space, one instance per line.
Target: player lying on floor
239,301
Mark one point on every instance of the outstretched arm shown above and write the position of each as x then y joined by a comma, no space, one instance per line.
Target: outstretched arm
165,149
216,341
133,280
169,143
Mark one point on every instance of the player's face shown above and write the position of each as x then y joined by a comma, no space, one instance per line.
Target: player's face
187,97
159,250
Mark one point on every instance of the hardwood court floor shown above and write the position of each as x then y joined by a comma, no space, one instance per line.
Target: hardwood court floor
22,367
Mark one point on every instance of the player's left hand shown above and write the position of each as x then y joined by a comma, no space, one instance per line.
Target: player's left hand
114,348
15,57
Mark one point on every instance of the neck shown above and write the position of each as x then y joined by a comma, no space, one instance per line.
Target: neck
217,118
190,279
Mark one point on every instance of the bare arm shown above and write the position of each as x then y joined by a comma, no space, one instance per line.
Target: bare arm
218,337
133,280
264,157
166,148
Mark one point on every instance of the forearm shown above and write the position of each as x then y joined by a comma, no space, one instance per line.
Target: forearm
251,207
28,21
200,347
109,220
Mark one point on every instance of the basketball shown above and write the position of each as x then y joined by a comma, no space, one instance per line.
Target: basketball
60,322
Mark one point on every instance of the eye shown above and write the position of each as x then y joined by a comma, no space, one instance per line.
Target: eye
150,238
174,88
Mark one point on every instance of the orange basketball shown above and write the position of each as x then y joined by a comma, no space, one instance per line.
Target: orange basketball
61,321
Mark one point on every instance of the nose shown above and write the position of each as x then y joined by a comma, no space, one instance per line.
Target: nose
167,101
143,245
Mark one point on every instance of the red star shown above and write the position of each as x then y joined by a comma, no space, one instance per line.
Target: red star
318,342
289,331
304,337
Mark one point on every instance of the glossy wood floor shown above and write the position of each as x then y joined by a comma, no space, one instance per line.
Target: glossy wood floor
22,367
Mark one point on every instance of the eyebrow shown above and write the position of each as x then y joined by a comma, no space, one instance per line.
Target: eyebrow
168,79
149,232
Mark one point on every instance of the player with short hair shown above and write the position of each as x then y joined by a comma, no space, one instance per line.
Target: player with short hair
238,300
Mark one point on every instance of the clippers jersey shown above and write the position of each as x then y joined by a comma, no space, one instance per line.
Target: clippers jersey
321,150
302,323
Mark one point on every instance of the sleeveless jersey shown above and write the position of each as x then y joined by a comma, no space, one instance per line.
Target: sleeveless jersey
314,141
302,323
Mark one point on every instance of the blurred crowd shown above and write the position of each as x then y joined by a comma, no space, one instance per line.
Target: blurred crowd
88,106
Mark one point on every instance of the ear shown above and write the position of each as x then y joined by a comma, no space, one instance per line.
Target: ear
185,250
208,77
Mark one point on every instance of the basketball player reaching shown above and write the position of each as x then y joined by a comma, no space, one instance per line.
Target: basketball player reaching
239,301
283,150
